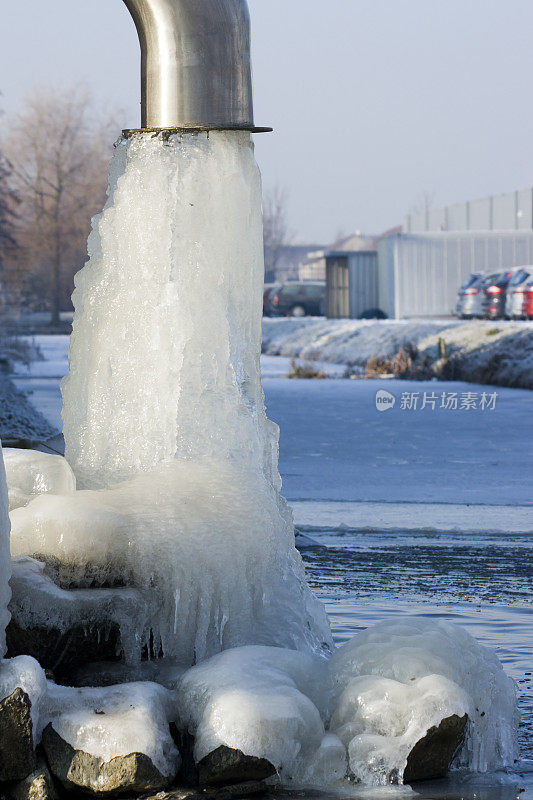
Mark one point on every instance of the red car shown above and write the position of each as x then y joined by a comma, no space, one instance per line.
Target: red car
528,301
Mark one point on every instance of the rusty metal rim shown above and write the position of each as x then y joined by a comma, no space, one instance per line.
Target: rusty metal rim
166,132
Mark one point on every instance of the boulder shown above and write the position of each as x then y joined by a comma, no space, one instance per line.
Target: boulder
226,765
17,753
77,770
38,785
431,757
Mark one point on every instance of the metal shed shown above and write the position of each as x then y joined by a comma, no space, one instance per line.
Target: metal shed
351,283
419,274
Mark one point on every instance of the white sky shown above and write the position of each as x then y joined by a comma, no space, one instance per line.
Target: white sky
372,101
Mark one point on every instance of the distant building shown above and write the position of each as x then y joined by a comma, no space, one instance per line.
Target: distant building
313,267
288,263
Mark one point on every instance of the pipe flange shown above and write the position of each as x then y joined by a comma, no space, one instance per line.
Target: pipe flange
165,133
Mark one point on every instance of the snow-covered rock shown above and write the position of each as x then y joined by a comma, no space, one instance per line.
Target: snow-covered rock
30,473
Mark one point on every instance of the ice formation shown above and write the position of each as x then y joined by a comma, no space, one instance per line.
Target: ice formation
116,721
394,681
360,713
267,702
164,419
5,561
30,473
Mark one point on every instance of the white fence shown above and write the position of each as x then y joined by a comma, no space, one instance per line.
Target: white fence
512,211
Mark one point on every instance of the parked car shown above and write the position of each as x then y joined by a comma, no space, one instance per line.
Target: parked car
514,301
527,309
494,294
268,288
299,299
469,297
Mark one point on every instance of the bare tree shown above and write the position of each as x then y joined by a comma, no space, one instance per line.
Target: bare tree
8,202
277,233
58,154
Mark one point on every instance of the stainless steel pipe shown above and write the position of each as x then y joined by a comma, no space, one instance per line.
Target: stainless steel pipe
195,64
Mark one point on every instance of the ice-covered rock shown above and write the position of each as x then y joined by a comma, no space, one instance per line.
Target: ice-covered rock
111,740
433,755
17,751
22,692
30,473
67,629
26,674
5,558
210,546
265,702
395,681
38,785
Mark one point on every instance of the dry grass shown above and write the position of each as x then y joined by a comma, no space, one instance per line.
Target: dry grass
305,370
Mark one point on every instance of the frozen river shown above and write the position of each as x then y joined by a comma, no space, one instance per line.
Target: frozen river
418,510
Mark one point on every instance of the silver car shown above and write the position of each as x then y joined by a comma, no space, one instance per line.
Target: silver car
469,297
514,301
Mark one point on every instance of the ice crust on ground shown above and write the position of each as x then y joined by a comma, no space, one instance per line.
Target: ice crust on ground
377,696
31,473
164,419
486,352
5,559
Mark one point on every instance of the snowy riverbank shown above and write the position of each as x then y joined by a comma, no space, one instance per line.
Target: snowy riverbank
497,353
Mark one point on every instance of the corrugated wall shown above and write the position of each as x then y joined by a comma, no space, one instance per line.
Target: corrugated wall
419,274
352,284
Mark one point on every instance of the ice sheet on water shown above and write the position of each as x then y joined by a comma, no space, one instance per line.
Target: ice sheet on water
5,560
30,473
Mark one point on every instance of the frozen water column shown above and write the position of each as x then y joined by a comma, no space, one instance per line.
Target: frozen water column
5,558
182,228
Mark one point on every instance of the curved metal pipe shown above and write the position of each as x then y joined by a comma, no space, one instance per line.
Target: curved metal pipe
195,63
